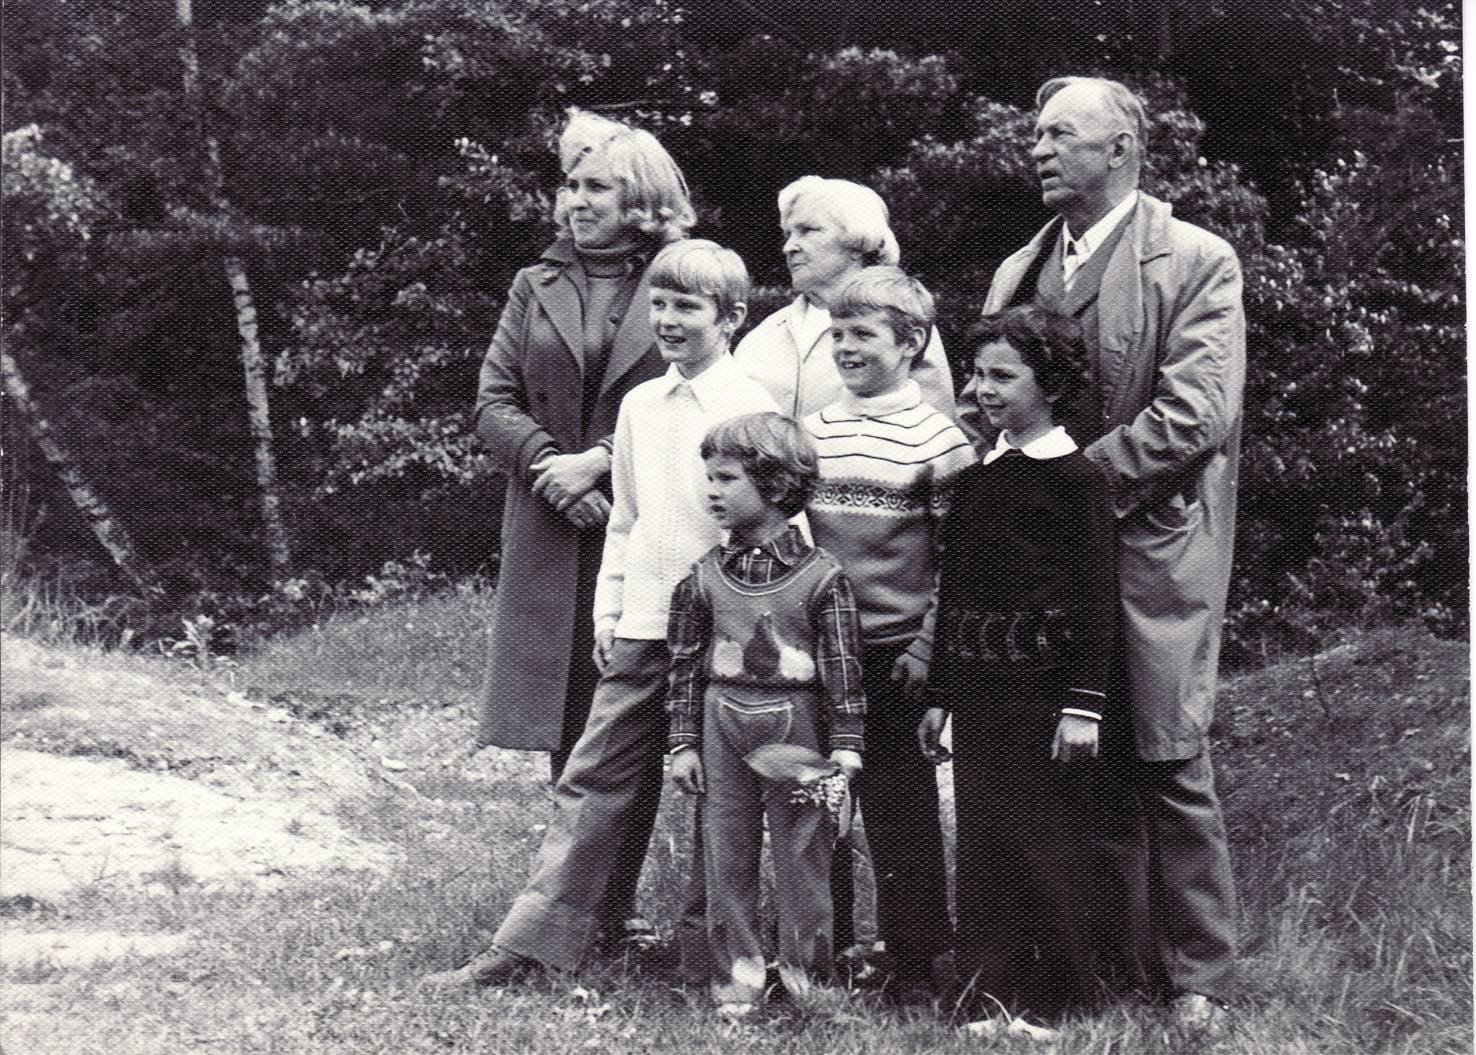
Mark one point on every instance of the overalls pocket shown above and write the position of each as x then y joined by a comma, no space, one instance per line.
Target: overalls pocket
750,724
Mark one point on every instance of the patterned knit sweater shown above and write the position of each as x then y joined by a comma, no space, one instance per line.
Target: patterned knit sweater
887,465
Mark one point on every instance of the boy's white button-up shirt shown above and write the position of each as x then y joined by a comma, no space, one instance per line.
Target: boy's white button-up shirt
659,522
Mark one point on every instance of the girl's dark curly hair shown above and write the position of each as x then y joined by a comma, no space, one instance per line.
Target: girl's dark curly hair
1050,343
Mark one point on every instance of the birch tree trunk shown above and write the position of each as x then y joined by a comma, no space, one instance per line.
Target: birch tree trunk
108,528
253,364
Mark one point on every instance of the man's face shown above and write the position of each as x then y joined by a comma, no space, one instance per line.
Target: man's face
1073,152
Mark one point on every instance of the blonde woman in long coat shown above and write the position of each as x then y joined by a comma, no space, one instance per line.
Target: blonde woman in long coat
574,338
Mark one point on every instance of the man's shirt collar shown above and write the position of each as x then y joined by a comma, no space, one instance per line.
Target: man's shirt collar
1053,444
1087,243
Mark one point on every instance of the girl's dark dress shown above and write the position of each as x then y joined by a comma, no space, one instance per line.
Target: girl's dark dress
1026,625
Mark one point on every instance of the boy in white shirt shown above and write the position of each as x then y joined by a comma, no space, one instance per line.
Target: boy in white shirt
605,803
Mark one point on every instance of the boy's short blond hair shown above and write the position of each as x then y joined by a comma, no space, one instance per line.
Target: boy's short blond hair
775,452
904,300
696,265
653,191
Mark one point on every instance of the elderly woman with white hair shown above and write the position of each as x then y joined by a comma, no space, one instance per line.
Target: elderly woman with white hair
832,229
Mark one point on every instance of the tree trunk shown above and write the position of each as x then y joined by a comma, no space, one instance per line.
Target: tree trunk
253,367
259,415
108,528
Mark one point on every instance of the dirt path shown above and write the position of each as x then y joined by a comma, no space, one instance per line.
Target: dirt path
113,775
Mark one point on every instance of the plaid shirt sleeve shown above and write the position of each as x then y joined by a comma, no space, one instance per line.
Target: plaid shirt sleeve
688,632
838,655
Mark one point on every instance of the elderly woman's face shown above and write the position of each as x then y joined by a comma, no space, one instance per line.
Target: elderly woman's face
812,248
593,197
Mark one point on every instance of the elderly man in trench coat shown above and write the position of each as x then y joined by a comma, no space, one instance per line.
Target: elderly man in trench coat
1160,303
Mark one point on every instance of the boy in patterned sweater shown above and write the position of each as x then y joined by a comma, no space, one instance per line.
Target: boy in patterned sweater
764,645
887,464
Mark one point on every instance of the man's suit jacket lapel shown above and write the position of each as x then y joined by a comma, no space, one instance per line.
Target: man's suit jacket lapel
634,338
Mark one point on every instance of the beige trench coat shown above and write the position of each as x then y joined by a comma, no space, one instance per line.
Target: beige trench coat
529,398
1171,375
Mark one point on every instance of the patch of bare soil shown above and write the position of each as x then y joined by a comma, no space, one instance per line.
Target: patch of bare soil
116,772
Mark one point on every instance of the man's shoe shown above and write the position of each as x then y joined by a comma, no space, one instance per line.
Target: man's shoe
1196,1015
492,967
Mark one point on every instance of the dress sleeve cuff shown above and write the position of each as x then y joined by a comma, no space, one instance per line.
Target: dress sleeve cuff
1081,712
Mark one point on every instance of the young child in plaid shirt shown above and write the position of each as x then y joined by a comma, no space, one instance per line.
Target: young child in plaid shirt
764,642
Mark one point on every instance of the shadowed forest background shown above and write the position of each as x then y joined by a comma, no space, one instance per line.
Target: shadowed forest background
366,178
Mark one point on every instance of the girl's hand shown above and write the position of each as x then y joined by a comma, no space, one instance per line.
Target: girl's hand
1076,737
686,771
563,479
912,673
930,733
849,762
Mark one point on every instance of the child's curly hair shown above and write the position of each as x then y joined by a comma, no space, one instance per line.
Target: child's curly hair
1048,342
774,451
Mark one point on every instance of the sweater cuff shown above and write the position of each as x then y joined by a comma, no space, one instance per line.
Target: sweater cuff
848,732
921,650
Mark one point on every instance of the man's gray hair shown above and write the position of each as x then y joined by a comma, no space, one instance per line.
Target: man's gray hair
1117,97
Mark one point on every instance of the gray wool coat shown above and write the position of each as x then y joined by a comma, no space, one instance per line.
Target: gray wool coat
1171,377
529,398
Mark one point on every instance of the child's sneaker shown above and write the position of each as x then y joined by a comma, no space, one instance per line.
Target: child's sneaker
994,1025
1196,1015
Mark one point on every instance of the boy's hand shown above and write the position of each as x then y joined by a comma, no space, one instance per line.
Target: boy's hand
912,673
562,479
849,762
686,771
930,733
589,510
1076,737
604,645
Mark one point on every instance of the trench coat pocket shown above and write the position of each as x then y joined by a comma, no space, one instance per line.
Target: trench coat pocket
1172,515
750,724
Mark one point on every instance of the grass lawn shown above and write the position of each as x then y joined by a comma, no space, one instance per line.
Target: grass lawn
1346,785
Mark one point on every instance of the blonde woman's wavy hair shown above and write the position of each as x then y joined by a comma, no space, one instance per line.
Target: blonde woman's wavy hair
859,212
653,191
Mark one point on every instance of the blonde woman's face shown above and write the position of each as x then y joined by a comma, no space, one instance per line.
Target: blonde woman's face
593,198
818,261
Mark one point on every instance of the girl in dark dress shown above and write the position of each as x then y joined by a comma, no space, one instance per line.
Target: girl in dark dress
1023,657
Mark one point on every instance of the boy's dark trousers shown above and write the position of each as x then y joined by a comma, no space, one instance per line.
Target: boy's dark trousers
898,792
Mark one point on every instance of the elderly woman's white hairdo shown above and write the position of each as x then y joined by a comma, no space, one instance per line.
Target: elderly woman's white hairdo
859,212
